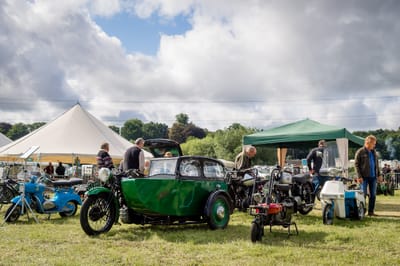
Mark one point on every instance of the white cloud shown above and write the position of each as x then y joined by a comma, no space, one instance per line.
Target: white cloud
259,63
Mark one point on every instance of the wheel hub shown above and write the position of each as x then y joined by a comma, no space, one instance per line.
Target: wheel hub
220,212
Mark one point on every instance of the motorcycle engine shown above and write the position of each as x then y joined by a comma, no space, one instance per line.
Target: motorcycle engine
287,211
286,178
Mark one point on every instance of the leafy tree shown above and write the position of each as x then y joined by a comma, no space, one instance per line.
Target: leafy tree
228,142
17,131
194,131
34,126
4,128
176,133
115,129
182,129
132,129
182,118
155,130
203,147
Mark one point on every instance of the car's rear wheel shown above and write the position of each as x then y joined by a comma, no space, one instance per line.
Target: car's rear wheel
218,212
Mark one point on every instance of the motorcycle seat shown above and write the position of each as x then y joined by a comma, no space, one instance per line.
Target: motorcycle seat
67,183
282,187
300,178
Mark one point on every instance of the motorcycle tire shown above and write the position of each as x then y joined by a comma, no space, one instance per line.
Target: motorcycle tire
360,211
13,213
73,206
6,194
98,214
256,232
308,199
328,214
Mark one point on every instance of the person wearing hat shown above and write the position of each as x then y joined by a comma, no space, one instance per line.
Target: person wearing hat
314,162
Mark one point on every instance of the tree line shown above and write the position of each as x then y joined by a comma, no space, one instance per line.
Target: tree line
224,143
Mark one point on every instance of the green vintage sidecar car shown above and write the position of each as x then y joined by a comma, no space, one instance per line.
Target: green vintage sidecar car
177,190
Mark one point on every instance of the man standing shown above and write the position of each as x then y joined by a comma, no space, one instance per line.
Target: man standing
103,157
243,159
134,157
314,163
60,170
316,157
367,168
49,169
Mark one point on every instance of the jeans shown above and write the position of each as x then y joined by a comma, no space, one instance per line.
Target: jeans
370,182
318,182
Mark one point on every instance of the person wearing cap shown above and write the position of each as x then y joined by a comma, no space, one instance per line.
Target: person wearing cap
134,157
314,163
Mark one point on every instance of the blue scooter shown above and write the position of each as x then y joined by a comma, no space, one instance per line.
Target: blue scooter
33,196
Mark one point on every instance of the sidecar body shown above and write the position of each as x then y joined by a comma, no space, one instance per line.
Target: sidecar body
178,186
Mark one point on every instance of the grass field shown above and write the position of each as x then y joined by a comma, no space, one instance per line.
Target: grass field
61,241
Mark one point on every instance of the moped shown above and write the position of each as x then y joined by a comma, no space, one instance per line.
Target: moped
339,202
34,196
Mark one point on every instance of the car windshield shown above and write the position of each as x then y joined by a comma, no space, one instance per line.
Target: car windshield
163,166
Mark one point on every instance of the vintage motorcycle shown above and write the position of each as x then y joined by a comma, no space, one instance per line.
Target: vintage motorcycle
242,185
9,189
34,196
269,213
294,188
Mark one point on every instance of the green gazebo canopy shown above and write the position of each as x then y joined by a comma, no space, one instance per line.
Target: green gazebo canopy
304,133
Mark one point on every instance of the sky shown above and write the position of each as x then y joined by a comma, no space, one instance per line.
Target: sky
258,63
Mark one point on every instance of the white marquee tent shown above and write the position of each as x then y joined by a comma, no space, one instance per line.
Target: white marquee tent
4,140
76,133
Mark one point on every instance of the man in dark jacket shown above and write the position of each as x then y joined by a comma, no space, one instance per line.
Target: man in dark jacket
314,163
134,157
367,168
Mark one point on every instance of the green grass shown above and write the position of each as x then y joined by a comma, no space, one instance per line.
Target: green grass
61,241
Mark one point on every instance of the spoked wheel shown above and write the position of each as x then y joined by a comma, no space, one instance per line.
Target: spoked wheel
256,232
13,213
308,199
72,206
6,194
360,211
218,212
98,214
328,214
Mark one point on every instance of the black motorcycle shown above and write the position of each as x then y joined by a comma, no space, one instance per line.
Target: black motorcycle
296,188
243,186
9,189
